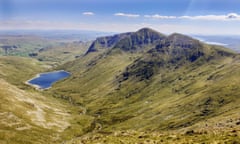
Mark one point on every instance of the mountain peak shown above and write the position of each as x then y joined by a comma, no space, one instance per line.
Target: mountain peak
180,38
130,41
146,29
149,31
107,42
139,39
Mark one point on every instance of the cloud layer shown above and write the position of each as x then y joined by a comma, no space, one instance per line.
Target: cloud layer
230,16
119,27
228,25
88,13
157,16
127,15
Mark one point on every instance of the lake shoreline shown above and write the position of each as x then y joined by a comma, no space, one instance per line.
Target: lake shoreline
37,87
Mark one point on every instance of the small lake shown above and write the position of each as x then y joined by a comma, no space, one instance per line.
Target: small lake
46,80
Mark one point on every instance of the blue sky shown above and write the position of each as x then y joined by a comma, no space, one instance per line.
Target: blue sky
167,16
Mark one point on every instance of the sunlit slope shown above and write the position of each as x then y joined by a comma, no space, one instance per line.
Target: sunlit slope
17,70
175,85
173,98
62,53
29,116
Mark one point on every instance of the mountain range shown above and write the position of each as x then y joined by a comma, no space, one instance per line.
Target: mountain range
147,87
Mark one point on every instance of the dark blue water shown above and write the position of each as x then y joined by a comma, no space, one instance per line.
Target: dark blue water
45,80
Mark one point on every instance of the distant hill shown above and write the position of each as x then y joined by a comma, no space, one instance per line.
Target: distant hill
54,49
229,41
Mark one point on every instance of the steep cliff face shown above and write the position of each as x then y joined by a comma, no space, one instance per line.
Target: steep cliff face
139,39
107,42
127,41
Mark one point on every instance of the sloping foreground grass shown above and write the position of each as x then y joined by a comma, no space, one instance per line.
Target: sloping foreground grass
28,116
130,137
17,70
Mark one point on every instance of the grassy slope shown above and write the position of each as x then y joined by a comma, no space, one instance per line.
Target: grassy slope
17,70
28,116
94,74
63,53
174,99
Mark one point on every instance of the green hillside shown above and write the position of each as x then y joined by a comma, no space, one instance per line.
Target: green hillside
60,54
30,116
137,87
176,84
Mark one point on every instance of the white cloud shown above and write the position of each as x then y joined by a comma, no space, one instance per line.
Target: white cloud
127,15
229,24
204,17
230,16
88,13
233,16
157,16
